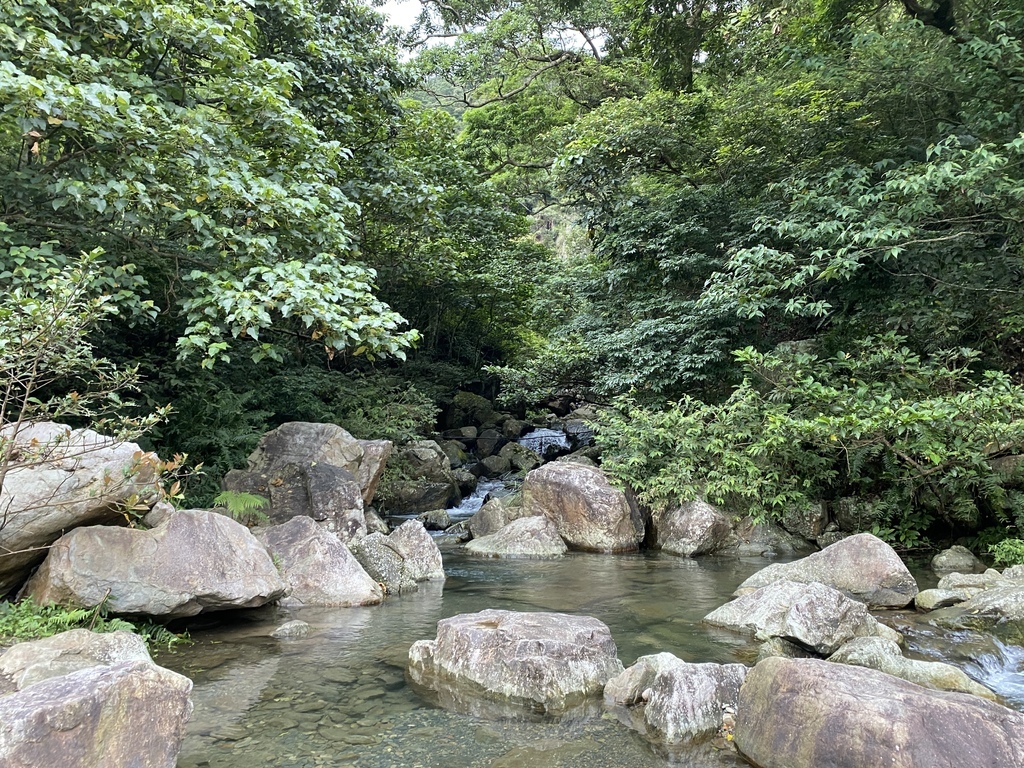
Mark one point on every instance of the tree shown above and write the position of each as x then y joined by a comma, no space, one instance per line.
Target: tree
195,142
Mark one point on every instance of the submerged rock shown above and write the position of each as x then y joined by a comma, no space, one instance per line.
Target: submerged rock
862,567
291,630
813,616
318,567
885,656
673,702
539,663
806,713
66,478
128,714
590,514
527,537
194,561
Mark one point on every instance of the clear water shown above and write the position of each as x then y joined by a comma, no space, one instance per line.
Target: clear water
339,698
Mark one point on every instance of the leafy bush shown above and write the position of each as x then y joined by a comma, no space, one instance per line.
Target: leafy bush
1008,552
919,434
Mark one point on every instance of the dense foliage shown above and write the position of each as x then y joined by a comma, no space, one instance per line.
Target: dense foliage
605,197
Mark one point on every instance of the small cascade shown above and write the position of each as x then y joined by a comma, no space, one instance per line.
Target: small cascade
471,504
1001,670
546,442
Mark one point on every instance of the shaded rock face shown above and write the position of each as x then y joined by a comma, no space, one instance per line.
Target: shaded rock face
375,457
527,537
808,520
589,513
885,656
813,616
956,559
930,599
673,702
318,567
546,663
65,478
194,561
469,408
429,484
436,520
495,466
399,560
129,714
855,514
521,458
312,470
863,567
805,713
767,540
30,662
695,528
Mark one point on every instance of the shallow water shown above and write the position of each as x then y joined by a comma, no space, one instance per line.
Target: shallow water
339,697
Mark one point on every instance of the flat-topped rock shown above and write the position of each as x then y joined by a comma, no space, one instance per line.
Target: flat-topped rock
30,662
546,663
131,714
862,567
527,537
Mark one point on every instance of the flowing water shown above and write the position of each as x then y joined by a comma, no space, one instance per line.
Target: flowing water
339,698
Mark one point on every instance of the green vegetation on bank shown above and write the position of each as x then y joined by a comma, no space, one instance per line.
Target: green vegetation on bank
780,240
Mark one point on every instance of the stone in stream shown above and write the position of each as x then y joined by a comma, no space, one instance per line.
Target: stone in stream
806,713
862,567
34,660
885,656
129,714
490,518
591,515
521,458
527,537
673,702
429,482
398,561
694,528
956,559
193,561
495,466
813,616
291,630
506,663
318,567
65,478
999,610
766,540
435,520
931,599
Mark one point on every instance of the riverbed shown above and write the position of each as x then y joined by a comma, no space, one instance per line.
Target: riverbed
338,697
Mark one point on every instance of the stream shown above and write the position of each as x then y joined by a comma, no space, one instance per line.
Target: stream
339,698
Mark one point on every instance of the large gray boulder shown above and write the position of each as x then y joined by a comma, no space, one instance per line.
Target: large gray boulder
527,537
35,660
885,656
673,702
63,478
591,515
692,529
318,567
193,561
812,616
806,713
131,714
306,444
863,567
546,663
398,561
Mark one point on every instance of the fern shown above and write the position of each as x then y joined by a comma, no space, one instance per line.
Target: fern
25,620
244,507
